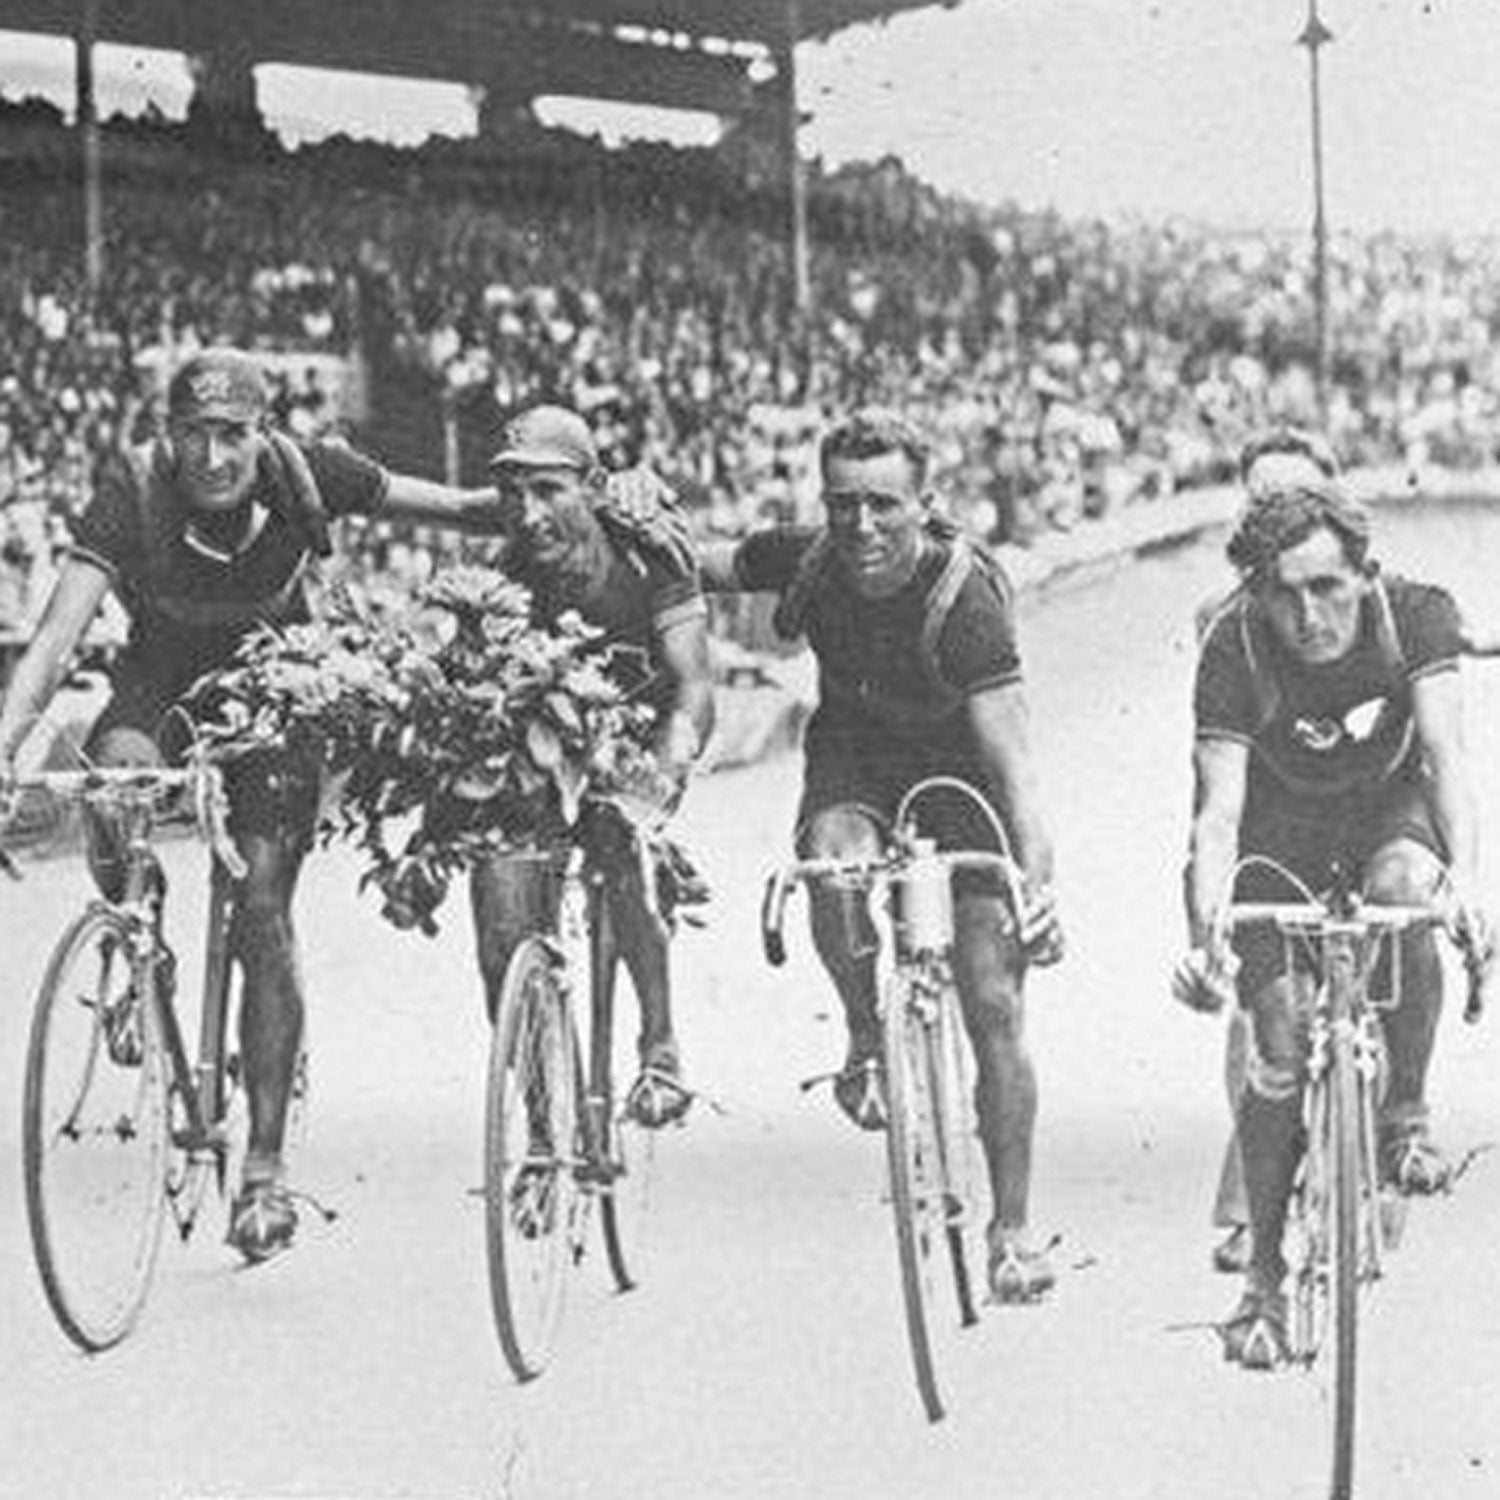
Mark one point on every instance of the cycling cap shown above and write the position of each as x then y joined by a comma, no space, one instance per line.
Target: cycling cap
547,437
221,383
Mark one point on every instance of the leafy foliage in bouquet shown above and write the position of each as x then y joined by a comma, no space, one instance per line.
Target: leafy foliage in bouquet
463,710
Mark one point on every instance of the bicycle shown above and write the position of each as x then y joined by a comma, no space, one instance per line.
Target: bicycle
930,1132
119,1126
554,1144
1338,1235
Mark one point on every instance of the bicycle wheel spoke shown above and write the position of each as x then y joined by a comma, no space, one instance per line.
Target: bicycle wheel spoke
95,1134
533,1205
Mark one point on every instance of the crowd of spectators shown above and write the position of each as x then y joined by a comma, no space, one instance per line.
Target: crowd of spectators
1065,368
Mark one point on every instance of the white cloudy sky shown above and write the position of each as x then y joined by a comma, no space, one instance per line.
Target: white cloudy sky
1195,107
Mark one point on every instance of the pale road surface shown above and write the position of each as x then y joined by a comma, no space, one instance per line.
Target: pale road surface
763,1358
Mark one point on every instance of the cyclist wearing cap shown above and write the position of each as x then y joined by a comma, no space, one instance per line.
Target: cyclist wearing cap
1328,738
205,535
575,551
919,675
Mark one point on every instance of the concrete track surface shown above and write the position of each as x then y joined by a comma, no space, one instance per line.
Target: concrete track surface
763,1356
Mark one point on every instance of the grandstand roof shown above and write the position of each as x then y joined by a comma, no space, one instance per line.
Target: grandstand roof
688,53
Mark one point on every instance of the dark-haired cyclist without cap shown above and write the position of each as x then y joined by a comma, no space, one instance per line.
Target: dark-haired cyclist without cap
919,675
1328,738
1269,460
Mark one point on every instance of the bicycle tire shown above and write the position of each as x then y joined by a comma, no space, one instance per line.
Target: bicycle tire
1309,1223
620,1153
913,1161
626,1155
955,1140
1345,1200
95,1136
532,1136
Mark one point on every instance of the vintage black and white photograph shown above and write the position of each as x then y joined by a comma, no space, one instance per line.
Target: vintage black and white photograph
747,749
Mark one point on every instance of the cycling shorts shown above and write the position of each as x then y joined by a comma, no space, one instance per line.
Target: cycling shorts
867,767
1315,841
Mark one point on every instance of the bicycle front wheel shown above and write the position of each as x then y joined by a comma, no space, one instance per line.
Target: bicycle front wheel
532,1134
95,1132
917,1189
1345,1199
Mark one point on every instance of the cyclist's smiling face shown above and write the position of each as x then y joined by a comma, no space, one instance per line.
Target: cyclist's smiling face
216,460
1312,598
549,514
875,513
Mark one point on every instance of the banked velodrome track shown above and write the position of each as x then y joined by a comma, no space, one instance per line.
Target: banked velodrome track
763,1355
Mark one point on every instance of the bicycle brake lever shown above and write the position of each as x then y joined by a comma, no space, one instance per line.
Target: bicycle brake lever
1478,976
772,904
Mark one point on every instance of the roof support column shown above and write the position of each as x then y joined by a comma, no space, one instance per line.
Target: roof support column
786,69
90,145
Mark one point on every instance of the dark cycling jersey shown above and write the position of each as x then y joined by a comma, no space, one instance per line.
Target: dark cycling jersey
637,598
892,664
1326,730
191,603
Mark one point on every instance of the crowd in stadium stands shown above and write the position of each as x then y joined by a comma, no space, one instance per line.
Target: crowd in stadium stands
1065,368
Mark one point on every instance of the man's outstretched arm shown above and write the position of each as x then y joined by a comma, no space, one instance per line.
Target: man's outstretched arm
75,600
685,730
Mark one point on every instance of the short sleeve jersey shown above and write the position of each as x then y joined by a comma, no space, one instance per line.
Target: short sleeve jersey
190,604
1330,728
878,650
635,601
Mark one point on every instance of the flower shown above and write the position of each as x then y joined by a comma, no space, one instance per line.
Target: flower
461,707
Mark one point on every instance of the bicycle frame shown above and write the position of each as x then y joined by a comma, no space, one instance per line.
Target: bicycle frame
1337,1199
175,1114
584,1152
923,1058
197,1087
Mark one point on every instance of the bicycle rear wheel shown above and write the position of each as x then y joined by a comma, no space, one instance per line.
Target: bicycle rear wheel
917,1189
626,1159
532,1133
95,1132
622,1153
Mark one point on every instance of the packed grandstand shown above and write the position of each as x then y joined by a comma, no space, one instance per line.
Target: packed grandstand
406,296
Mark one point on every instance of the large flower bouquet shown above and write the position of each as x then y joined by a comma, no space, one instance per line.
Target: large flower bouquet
458,725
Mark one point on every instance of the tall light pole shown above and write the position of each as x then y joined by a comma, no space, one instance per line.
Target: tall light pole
1315,36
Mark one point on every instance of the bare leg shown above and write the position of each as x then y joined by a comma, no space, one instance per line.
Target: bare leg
989,973
120,746
643,946
272,1010
1406,872
842,931
509,898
